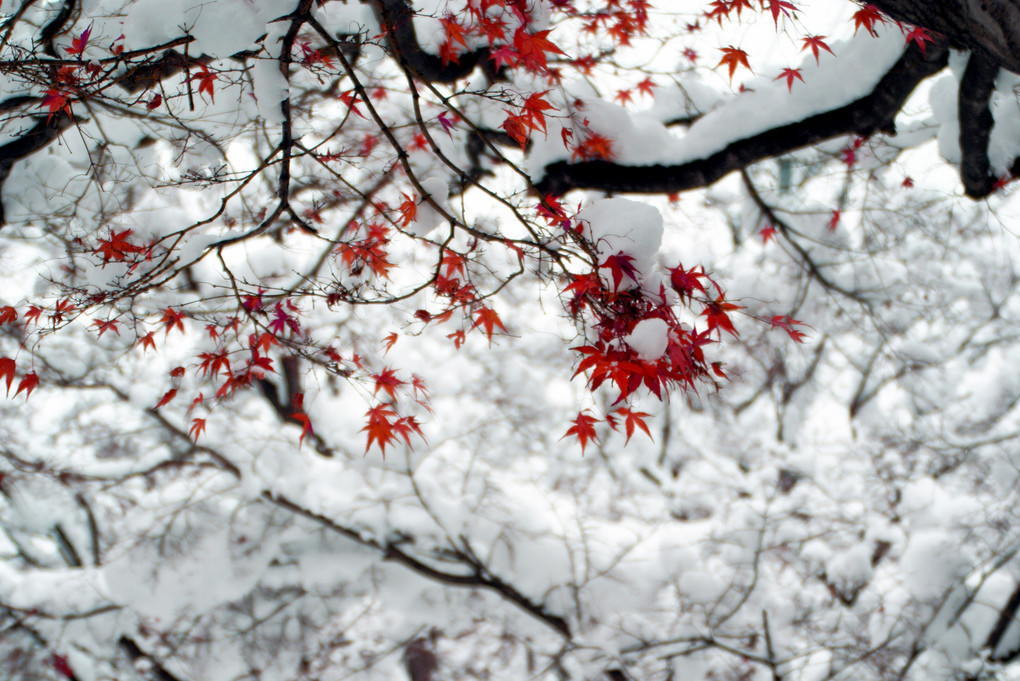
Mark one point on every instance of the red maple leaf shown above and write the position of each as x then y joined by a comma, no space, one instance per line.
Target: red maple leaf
8,314
55,101
767,232
7,366
790,75
534,107
172,318
408,210
620,266
920,37
786,323
107,325
147,341
169,395
197,428
717,314
816,43
645,87
583,429
633,419
867,16
834,220
27,383
117,246
532,47
78,44
380,427
732,58
387,381
778,7
487,318
205,79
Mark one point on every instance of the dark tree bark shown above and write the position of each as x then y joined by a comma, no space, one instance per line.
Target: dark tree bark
990,26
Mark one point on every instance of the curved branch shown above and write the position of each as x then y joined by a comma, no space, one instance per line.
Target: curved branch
976,123
397,20
874,112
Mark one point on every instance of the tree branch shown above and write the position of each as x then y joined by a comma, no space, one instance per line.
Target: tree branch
865,116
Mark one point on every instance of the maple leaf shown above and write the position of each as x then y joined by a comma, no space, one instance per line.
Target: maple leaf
645,87
907,183
686,282
452,262
408,210
155,102
633,419
732,58
107,325
767,232
214,363
389,341
517,127
487,318
778,7
620,266
834,220
169,395
27,383
55,101
380,427
447,123
867,16
205,79
8,315
716,314
458,339
172,318
147,341
532,47
117,247
350,98
197,428
786,323
790,75
405,426
624,97
920,37
534,107
594,146
387,381
78,44
7,366
583,429
504,55
816,43
32,314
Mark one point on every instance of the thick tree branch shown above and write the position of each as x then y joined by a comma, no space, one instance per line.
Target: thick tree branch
397,19
865,116
976,123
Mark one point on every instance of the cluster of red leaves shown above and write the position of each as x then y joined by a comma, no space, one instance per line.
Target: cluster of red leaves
370,251
608,300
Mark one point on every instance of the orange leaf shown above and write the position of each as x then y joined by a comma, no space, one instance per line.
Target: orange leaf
487,318
197,428
733,57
